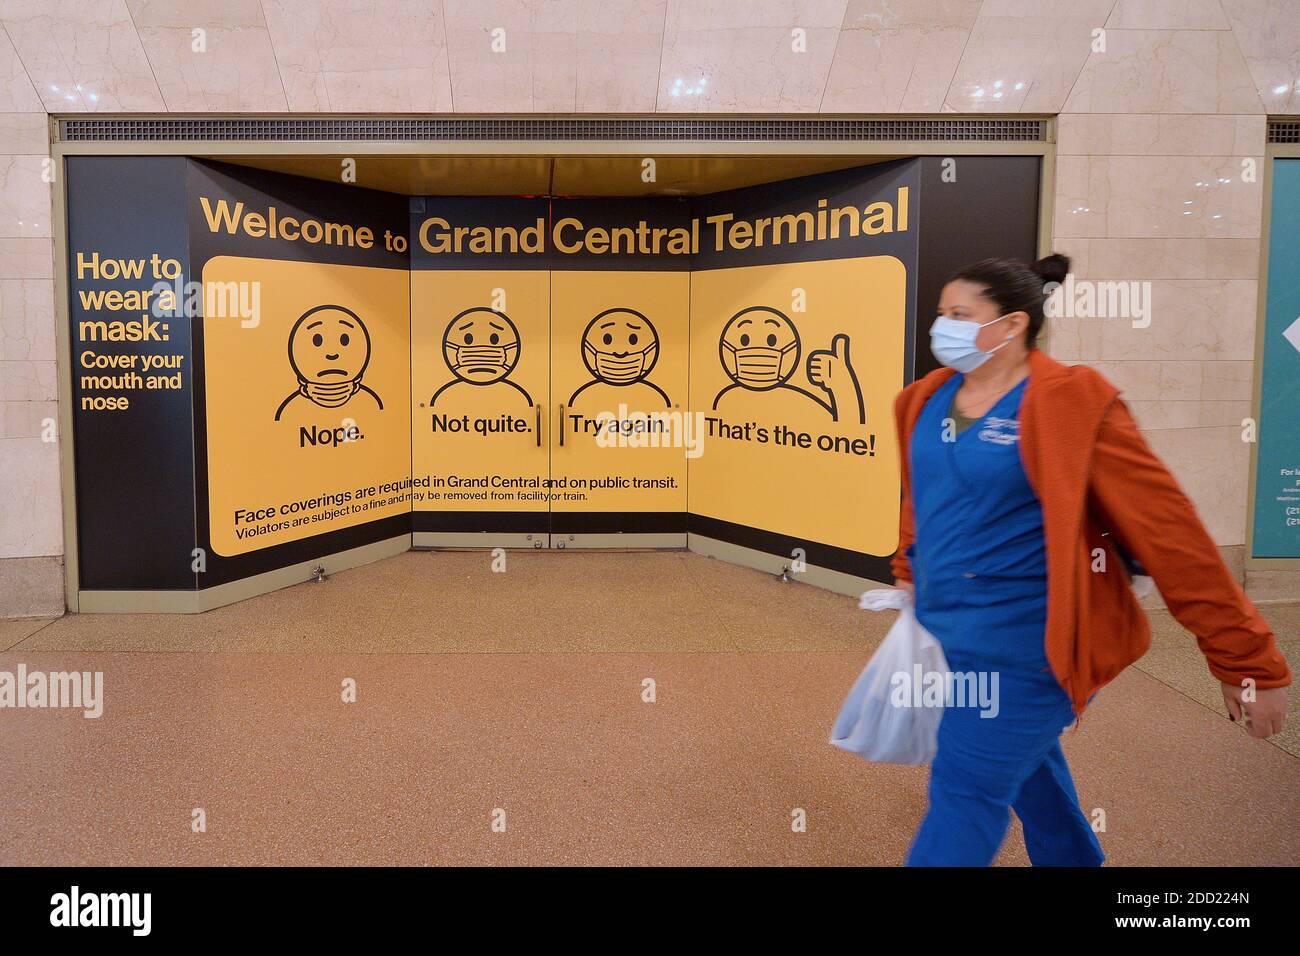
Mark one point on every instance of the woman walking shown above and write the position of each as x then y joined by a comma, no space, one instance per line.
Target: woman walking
1024,483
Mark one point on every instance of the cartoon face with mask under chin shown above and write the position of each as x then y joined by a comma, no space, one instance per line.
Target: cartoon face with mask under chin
481,346
329,350
759,348
620,346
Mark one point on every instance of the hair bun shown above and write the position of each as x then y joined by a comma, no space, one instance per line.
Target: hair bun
1053,268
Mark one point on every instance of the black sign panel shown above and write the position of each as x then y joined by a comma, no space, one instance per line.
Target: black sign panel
132,369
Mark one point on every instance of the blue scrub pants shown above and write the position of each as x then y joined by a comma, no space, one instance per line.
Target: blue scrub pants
986,766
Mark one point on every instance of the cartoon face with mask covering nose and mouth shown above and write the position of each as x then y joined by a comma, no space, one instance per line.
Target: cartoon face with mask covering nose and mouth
759,348
620,347
481,347
329,350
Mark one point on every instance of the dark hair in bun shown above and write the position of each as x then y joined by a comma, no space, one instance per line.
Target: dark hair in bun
1017,287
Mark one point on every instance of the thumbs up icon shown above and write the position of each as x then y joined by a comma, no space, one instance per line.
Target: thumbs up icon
832,371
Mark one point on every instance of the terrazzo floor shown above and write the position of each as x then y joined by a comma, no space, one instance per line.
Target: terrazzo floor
518,697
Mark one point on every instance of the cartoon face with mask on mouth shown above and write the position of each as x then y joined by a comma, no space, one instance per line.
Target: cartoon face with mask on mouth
481,347
329,350
620,347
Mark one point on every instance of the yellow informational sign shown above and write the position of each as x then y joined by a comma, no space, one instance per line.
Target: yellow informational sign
480,379
794,369
618,387
307,403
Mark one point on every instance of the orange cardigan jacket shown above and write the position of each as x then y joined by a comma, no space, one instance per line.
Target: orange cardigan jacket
1092,472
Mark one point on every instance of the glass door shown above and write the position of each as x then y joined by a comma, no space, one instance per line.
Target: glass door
618,353
480,372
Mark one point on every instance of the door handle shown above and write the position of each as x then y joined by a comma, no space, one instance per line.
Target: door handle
539,425
561,426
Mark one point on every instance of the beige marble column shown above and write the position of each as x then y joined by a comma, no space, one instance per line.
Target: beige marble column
1160,182
31,528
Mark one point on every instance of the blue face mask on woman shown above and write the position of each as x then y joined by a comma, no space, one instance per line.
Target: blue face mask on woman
953,343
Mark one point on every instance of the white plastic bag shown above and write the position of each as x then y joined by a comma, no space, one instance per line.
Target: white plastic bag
884,718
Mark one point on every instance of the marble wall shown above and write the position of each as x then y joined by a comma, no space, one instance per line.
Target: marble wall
31,525
1155,122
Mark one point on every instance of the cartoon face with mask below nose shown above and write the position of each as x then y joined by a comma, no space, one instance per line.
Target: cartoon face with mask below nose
620,346
329,350
481,346
759,348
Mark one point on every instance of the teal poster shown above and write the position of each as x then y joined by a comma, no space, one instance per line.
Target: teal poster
1277,466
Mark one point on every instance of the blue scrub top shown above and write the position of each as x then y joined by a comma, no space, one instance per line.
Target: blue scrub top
979,561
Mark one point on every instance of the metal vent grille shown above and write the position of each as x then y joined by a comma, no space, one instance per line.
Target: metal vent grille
277,129
1284,131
